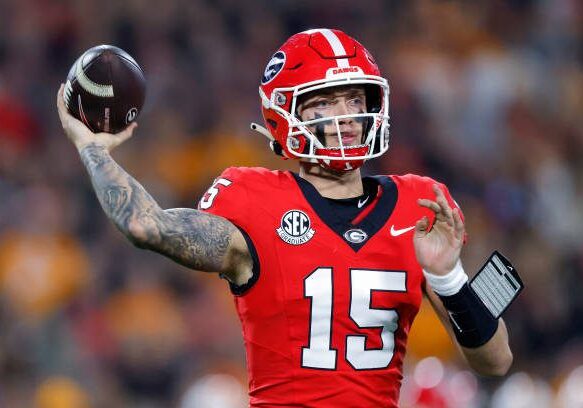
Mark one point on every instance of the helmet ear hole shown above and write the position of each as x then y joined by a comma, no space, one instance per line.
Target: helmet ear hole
272,123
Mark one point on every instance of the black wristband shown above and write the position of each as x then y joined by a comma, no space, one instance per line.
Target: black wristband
472,324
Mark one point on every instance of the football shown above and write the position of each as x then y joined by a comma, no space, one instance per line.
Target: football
105,89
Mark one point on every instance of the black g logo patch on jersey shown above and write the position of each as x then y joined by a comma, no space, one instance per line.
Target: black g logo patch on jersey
295,228
273,67
356,236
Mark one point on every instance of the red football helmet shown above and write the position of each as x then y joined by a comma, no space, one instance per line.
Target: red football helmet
311,61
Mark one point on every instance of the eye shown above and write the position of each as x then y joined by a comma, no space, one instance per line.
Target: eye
322,104
356,101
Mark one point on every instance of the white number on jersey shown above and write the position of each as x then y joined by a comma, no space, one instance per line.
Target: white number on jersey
362,283
207,200
319,354
318,286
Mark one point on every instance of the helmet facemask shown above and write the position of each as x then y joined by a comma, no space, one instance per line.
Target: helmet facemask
304,141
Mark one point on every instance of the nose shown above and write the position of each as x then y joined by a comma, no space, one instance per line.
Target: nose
343,109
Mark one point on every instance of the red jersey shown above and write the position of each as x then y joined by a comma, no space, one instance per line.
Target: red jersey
326,316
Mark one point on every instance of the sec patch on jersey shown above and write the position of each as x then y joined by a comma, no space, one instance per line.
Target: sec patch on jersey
105,89
295,228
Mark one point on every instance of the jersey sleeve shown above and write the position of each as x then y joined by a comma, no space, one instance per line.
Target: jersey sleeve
423,187
227,197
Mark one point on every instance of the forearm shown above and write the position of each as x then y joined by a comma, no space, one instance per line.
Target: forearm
192,238
125,202
200,241
493,358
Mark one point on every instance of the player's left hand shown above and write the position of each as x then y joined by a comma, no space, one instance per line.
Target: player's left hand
438,248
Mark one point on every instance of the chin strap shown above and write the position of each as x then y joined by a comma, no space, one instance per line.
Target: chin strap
273,144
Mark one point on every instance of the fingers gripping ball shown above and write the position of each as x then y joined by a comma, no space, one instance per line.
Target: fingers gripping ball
105,89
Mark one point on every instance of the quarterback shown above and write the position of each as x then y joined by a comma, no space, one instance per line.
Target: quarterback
327,267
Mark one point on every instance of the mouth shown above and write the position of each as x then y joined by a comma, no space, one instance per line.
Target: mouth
349,138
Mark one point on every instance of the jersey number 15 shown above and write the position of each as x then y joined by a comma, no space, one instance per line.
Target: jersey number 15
318,286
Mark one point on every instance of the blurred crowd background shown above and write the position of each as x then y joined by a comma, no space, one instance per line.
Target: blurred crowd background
486,96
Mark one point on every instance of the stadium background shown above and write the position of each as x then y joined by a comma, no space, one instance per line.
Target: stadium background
486,96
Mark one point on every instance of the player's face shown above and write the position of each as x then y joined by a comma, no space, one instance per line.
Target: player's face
346,100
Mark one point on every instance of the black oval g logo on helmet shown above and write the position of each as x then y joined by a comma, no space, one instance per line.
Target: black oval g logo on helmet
273,67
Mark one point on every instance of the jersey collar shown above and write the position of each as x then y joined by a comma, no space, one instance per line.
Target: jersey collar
370,224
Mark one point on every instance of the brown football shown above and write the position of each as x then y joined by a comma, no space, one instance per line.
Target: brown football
105,89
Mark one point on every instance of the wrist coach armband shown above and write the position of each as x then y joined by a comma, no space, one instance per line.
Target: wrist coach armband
474,310
497,284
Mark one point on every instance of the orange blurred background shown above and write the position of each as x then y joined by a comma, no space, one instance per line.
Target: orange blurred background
486,96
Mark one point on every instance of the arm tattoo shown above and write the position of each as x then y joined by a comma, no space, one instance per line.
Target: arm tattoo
194,238
123,199
190,237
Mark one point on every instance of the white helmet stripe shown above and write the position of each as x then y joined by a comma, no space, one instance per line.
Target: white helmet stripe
335,43
337,47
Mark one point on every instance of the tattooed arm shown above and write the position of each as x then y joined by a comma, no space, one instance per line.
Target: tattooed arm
192,238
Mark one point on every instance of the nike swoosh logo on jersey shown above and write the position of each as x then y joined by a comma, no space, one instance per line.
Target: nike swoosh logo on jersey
360,204
401,231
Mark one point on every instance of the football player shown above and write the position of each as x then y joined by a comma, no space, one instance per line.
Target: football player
328,268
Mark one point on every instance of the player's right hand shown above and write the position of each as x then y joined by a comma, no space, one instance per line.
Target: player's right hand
82,136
